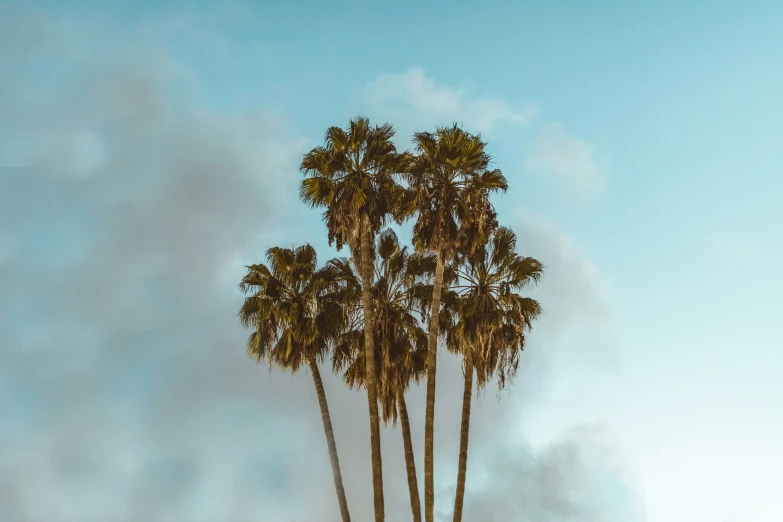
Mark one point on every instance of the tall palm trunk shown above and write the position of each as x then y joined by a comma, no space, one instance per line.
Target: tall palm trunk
410,462
464,432
429,420
338,477
370,375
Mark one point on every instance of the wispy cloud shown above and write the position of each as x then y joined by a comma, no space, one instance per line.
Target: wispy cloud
417,100
568,159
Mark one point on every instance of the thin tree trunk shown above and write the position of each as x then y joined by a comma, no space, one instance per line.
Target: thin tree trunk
410,462
370,375
429,419
464,432
330,443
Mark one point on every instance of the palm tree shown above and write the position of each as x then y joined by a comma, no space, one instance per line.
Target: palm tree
352,176
450,183
296,312
400,342
491,320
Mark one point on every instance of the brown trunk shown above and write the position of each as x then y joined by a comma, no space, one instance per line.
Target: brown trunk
429,419
464,432
370,375
410,463
330,443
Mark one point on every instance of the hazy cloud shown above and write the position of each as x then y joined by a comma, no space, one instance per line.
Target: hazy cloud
121,202
568,159
413,98
578,477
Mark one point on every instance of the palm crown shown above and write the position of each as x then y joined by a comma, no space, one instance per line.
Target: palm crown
450,181
294,308
491,316
353,176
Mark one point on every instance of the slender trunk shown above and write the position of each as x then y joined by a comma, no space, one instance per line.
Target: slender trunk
330,443
370,375
464,432
429,419
410,462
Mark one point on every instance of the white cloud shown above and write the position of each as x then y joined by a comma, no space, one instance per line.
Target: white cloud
570,160
415,99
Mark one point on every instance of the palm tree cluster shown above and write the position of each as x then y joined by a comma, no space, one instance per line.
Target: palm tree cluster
378,315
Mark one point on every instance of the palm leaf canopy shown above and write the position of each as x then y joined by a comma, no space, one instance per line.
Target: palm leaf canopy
295,309
353,175
490,317
450,181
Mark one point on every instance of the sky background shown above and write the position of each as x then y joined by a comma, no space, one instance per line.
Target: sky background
149,150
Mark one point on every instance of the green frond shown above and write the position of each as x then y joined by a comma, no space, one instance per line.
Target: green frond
255,347
492,180
337,139
307,257
317,191
504,244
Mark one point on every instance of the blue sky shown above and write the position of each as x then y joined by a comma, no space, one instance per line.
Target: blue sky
149,150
